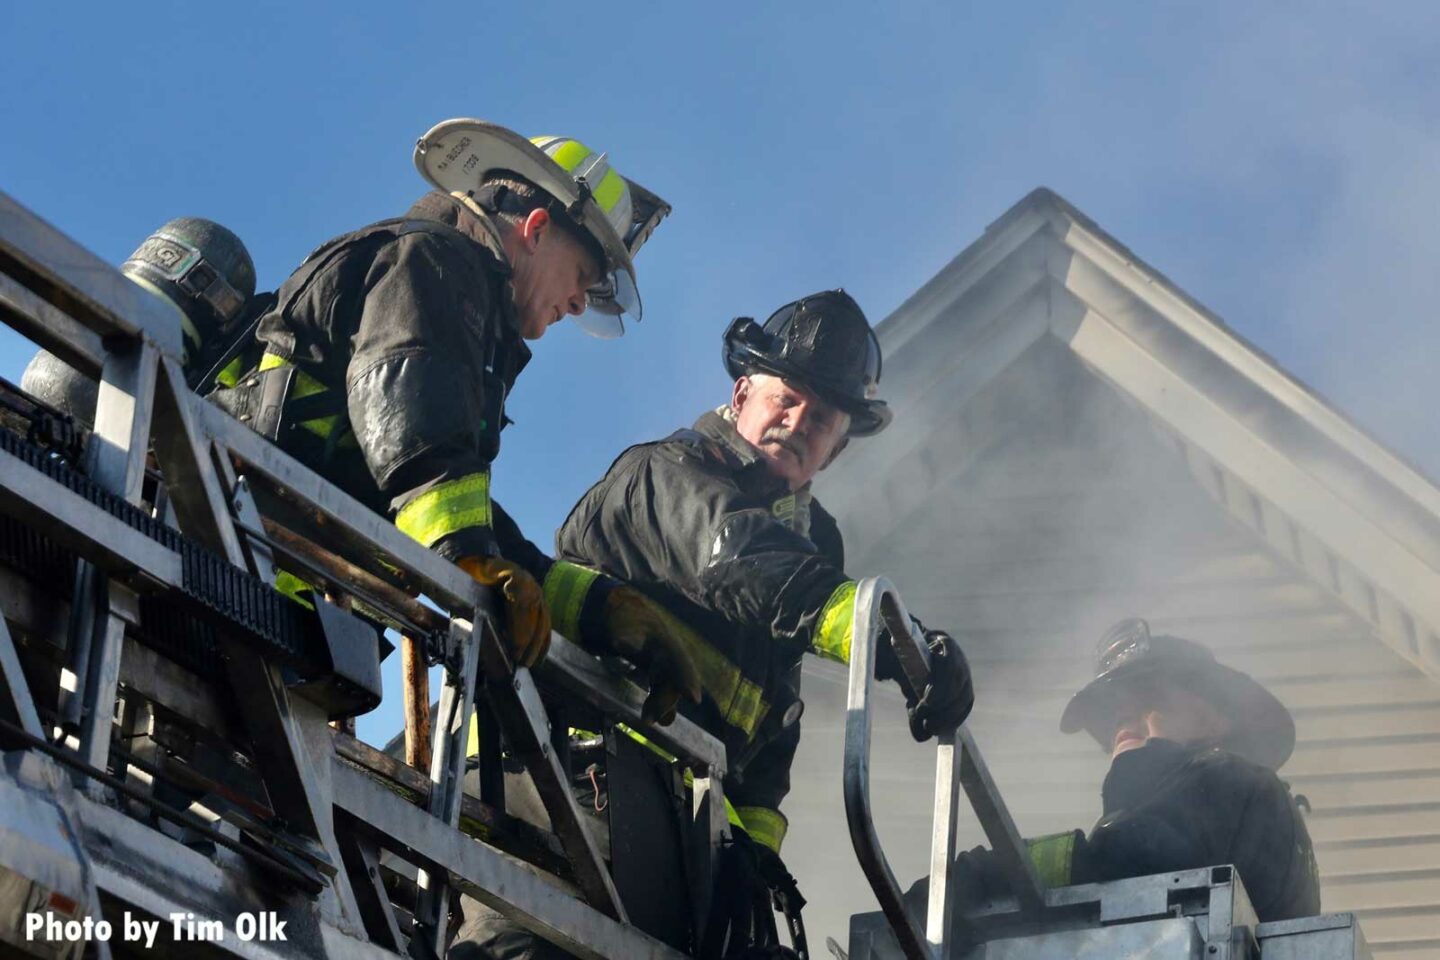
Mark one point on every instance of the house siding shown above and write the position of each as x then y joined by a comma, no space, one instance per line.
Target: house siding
1050,506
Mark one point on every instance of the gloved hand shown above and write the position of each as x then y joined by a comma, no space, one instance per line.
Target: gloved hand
978,877
975,880
751,881
527,619
948,697
649,636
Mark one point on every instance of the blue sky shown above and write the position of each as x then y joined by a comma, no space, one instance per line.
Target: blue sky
1278,161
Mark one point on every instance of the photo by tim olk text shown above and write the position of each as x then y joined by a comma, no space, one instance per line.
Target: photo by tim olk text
176,927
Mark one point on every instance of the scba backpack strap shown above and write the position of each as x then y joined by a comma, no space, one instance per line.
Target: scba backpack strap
239,351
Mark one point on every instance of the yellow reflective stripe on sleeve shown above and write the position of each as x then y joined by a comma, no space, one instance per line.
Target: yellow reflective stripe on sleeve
570,154
305,385
833,633
230,376
740,701
447,508
1052,856
608,193
764,825
748,708
566,586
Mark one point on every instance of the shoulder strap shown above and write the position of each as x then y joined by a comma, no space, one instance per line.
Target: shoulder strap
243,335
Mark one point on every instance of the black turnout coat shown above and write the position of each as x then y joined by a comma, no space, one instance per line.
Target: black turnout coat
384,366
1170,807
1173,807
699,524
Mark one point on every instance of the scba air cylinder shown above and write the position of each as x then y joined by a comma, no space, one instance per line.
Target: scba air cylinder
197,266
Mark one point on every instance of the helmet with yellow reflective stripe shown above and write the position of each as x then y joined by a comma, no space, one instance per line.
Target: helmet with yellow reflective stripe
459,156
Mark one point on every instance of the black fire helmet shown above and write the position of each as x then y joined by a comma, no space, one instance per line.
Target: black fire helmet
822,342
1263,730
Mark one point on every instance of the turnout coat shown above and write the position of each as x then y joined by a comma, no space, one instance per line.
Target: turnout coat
698,523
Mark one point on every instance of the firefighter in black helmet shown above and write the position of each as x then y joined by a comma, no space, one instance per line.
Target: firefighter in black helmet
1193,746
823,342
717,523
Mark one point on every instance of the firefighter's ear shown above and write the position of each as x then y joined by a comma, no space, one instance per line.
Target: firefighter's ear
533,229
740,394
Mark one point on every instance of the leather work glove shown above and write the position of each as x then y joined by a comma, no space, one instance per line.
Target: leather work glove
653,639
527,619
947,699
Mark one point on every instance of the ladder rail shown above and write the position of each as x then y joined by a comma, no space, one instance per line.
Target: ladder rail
959,766
87,312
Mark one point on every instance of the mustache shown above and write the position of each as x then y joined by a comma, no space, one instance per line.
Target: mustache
785,438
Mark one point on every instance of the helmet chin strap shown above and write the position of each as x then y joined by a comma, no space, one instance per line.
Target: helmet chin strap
469,202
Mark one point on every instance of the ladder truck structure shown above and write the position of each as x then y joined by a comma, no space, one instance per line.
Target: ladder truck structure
176,775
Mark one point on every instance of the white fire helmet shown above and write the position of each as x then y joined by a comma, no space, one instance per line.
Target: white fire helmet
457,156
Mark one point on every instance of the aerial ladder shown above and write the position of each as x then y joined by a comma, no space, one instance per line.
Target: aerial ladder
176,778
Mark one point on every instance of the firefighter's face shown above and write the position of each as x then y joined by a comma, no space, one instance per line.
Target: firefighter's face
797,432
551,272
1142,710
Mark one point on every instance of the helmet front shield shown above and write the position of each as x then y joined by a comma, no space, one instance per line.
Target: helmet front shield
610,302
617,296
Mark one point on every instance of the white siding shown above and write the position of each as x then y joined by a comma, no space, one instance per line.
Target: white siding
1046,509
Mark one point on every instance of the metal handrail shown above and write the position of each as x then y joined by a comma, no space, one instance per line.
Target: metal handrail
958,765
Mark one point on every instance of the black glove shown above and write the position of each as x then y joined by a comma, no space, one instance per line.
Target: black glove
975,881
751,882
887,661
948,697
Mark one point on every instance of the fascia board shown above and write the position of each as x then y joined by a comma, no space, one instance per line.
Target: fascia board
1254,406
966,323
979,259
894,465
1162,296
1344,529
1274,434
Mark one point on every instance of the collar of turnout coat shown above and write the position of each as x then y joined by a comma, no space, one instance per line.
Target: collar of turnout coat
793,509
468,218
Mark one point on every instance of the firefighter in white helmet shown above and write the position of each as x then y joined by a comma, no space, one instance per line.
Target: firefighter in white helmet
386,360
